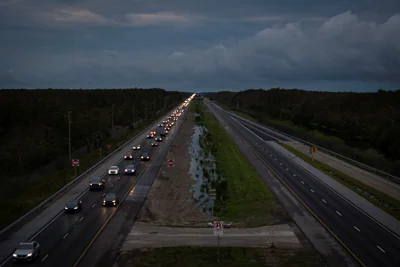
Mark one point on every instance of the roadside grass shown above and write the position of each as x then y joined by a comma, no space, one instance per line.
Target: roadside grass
40,190
379,198
229,256
242,196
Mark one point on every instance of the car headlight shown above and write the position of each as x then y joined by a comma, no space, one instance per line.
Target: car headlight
90,184
14,255
113,201
109,172
66,208
104,201
29,255
126,170
100,183
141,157
148,157
75,208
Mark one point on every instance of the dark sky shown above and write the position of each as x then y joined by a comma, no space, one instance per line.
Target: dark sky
201,45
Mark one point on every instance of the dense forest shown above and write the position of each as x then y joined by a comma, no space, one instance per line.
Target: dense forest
363,123
34,123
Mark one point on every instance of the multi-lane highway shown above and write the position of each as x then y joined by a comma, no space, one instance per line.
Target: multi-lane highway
68,235
369,242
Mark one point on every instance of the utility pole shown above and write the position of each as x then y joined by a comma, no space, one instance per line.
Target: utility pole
133,115
69,134
146,109
112,117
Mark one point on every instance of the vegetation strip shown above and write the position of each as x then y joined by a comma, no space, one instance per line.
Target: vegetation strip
229,256
379,199
241,194
40,190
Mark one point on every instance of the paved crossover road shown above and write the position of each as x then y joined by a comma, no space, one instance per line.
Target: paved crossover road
371,243
68,235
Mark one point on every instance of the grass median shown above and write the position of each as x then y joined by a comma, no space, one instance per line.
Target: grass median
379,199
245,197
40,190
228,256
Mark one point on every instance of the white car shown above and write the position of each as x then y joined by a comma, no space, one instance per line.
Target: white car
137,147
113,170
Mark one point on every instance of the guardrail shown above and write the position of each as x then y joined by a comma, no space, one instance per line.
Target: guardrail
356,163
49,199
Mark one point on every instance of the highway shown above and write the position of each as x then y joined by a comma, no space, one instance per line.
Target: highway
368,241
68,235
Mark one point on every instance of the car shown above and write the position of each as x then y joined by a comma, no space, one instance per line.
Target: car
113,170
110,199
160,125
137,147
145,156
172,123
153,133
158,138
130,169
73,206
97,183
154,144
128,156
150,135
163,134
26,251
164,122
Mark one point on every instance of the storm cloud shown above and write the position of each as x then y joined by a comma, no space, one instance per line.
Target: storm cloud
200,44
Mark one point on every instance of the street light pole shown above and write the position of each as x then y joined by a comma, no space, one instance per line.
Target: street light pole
69,135
112,117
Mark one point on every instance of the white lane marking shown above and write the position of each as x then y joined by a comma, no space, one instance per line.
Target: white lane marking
94,205
294,175
270,155
280,163
45,257
302,182
104,194
112,185
312,190
81,219
323,200
119,177
381,249
338,213
65,236
275,159
287,169
355,227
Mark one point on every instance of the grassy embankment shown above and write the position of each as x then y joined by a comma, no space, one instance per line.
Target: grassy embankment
352,183
230,257
339,176
242,196
42,189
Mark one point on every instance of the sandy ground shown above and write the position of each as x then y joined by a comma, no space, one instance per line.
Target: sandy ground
169,201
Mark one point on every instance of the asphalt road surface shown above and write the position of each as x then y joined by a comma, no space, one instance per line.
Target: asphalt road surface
64,240
370,242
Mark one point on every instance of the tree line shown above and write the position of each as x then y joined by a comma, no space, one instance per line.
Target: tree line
34,123
362,126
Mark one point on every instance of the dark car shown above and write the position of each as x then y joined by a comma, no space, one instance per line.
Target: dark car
145,156
150,135
130,169
163,133
128,156
160,125
158,138
110,199
154,144
73,206
26,252
97,183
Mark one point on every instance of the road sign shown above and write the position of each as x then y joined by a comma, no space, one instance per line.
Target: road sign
314,149
75,163
218,225
171,163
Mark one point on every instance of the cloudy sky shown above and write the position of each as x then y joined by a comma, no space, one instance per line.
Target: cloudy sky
201,45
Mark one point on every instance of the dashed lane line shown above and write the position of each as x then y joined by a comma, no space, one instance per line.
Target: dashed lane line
65,235
381,249
323,200
45,257
339,213
355,227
